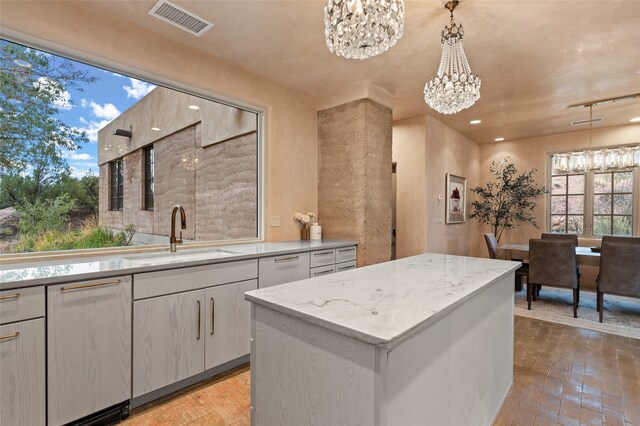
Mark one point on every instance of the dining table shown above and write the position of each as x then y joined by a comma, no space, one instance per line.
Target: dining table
520,251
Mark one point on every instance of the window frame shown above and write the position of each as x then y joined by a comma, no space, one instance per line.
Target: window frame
116,171
95,60
149,176
588,210
566,195
612,193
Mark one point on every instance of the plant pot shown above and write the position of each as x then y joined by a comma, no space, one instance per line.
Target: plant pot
304,233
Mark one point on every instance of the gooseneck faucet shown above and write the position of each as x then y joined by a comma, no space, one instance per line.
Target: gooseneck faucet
173,241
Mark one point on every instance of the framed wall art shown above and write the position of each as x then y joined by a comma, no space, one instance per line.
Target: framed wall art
456,211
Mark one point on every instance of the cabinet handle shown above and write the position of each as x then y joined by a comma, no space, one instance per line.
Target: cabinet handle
328,271
284,259
344,268
322,254
199,322
11,296
10,336
213,316
83,286
345,250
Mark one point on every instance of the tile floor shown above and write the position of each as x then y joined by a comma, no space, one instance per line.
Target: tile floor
562,375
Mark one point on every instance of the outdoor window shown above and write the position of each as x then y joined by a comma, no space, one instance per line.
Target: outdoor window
148,178
116,185
593,204
73,136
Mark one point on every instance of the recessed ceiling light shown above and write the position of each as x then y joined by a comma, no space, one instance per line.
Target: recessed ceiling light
194,107
499,139
635,120
475,122
155,129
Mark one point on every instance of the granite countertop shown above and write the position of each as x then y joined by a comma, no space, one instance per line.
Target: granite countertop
385,303
55,272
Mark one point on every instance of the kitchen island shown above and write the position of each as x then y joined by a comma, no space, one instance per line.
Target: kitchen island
426,340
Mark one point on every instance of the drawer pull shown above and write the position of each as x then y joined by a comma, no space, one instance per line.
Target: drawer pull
199,322
11,296
213,316
328,271
284,259
346,250
84,286
323,253
344,268
10,336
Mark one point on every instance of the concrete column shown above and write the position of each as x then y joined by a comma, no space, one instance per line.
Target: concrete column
354,177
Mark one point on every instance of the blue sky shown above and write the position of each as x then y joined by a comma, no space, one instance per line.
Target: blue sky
94,107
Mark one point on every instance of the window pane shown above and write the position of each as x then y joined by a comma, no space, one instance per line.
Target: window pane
558,204
558,224
601,183
559,185
623,182
576,204
622,225
623,204
576,184
575,224
602,204
601,225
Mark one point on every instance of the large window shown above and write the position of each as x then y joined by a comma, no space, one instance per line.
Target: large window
116,185
593,204
148,178
94,158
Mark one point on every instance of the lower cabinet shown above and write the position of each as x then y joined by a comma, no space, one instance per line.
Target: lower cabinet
88,347
283,269
180,335
22,376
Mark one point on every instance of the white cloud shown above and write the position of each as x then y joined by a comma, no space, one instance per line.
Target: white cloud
83,120
79,172
92,129
138,89
106,111
83,103
62,100
81,157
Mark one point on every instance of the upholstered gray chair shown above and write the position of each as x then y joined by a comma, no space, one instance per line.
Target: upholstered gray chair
619,269
492,245
564,237
553,263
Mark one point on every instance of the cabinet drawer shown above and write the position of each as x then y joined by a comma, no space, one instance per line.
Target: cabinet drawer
283,269
323,257
322,270
21,304
22,377
345,254
345,266
152,284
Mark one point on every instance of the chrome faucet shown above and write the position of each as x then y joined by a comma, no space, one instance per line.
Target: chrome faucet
173,241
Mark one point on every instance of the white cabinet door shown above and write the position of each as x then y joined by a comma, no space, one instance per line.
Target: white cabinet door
283,269
168,340
228,322
88,347
22,377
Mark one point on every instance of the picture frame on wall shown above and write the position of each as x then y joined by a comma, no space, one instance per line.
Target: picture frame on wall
456,201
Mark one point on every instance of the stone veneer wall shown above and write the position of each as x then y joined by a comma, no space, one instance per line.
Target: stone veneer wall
216,185
354,177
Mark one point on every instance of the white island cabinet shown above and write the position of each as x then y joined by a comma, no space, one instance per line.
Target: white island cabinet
426,340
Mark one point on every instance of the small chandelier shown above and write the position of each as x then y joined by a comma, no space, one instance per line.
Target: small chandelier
360,29
455,87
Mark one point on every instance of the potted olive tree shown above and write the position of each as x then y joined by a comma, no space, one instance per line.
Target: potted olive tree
508,200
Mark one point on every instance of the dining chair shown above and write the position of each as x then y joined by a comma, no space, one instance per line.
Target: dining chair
553,263
564,237
619,271
492,245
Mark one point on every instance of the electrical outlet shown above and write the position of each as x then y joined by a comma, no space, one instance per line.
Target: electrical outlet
275,220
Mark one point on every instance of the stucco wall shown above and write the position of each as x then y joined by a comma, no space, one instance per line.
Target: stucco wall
290,116
425,151
354,193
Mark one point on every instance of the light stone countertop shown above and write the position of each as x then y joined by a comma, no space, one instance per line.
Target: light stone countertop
55,272
386,303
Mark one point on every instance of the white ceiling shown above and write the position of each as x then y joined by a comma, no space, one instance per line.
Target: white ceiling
534,57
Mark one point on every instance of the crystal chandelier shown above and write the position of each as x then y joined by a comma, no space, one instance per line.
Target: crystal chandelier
360,29
455,87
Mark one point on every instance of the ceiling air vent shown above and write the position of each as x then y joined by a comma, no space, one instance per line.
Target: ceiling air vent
179,17
581,122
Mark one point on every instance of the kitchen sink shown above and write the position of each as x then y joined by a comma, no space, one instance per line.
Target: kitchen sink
181,256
